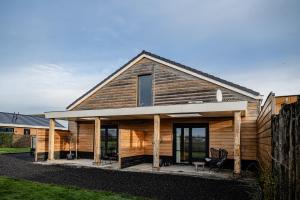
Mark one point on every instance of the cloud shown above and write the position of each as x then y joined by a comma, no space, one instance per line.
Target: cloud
281,77
44,87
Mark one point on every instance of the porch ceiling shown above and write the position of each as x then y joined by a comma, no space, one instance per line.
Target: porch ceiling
220,109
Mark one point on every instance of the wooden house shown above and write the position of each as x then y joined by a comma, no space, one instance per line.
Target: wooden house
24,128
154,109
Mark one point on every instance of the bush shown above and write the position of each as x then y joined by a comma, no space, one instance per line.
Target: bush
6,139
268,182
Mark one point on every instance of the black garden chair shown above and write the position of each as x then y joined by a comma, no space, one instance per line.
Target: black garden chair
217,159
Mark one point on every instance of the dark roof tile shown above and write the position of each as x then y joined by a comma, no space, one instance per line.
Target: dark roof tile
28,120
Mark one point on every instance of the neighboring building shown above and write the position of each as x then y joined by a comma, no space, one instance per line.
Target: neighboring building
153,108
23,125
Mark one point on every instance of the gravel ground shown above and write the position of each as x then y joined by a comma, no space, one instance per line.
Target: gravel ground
157,186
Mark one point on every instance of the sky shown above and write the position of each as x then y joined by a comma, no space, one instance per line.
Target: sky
51,52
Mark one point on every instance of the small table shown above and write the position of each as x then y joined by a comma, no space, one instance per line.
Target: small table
199,164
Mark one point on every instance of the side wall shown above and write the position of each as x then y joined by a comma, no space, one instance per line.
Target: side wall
264,132
61,145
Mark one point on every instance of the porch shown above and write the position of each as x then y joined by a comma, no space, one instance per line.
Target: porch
145,133
185,170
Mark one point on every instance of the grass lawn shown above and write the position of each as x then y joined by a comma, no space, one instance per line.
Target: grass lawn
14,150
21,189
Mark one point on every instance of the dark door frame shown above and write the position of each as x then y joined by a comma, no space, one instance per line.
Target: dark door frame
190,125
106,138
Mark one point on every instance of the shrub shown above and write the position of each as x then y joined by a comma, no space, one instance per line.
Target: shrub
6,139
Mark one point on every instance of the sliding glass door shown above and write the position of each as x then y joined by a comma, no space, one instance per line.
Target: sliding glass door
190,142
109,142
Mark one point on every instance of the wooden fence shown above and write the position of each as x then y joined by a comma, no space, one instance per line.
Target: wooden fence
264,133
286,151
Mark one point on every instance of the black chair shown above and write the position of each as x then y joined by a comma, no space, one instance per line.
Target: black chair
217,159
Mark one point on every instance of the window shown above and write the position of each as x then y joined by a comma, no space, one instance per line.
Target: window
6,130
26,131
145,90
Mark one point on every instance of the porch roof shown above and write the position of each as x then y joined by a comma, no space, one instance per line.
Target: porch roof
204,109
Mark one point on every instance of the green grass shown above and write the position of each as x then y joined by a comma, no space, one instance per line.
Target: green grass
13,150
21,189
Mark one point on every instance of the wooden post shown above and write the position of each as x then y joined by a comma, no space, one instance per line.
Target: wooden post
97,141
237,143
36,147
119,150
51,139
156,142
76,139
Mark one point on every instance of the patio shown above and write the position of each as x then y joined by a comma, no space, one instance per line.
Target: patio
186,170
149,185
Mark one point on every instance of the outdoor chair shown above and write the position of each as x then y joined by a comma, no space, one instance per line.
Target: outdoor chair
217,159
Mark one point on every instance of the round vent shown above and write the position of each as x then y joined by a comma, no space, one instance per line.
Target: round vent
219,95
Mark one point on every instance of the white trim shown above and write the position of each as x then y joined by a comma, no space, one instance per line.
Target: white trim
28,126
152,110
169,65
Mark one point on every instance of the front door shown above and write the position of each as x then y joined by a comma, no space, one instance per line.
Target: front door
190,142
109,142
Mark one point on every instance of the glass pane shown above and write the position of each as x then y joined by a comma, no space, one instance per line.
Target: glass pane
178,141
103,152
33,142
112,133
145,90
198,132
186,146
198,143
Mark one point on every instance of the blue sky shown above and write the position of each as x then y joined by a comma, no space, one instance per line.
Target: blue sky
51,52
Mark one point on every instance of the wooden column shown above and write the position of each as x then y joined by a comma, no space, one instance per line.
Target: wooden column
51,139
36,147
237,143
97,141
156,142
76,139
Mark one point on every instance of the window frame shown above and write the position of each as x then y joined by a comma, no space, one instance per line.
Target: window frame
138,90
24,131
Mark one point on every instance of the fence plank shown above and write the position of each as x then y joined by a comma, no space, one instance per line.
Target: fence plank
286,151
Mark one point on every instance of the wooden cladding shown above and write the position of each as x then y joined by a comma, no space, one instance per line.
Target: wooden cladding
264,133
61,141
170,87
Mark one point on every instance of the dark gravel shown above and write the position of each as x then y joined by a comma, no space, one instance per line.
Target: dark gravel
157,186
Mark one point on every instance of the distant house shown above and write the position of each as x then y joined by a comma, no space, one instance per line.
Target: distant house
154,109
24,125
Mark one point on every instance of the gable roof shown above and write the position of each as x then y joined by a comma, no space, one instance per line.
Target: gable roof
145,54
19,120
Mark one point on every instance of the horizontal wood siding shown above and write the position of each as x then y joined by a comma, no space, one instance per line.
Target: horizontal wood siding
60,140
264,133
175,87
132,139
85,140
170,87
20,131
280,101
